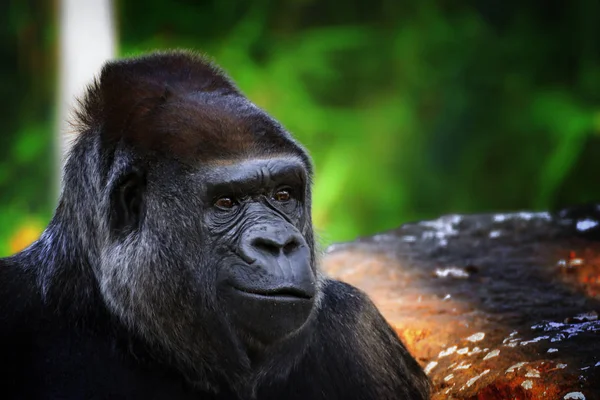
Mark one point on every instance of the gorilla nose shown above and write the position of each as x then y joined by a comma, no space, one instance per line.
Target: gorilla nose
265,243
274,243
280,258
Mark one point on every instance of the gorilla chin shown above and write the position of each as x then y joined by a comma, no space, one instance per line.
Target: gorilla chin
270,316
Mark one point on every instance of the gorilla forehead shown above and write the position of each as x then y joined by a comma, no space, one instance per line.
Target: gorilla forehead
201,127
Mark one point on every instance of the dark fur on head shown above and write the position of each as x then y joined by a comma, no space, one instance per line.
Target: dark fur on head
181,105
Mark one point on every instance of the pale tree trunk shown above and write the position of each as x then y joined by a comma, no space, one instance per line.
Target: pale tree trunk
87,40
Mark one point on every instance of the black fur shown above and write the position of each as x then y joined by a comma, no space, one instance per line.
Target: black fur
121,296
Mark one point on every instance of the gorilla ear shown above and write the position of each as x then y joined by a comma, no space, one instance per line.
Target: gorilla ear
127,202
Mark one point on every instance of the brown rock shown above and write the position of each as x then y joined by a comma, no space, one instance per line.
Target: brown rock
498,306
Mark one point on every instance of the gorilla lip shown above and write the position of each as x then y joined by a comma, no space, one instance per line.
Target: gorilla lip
285,292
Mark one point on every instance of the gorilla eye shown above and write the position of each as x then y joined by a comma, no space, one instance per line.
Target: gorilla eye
282,195
224,202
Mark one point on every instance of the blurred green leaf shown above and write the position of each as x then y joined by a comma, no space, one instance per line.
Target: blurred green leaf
409,109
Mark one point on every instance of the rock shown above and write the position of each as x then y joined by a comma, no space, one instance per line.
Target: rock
495,306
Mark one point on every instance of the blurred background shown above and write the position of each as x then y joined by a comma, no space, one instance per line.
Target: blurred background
410,109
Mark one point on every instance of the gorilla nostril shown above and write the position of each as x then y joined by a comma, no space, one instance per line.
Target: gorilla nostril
292,244
266,245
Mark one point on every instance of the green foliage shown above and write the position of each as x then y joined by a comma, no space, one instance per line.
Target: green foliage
25,175
26,94
409,109
568,124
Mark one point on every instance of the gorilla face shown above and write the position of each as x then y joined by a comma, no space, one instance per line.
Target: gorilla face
255,212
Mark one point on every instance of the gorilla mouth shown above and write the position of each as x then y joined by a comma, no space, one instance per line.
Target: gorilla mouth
284,292
270,312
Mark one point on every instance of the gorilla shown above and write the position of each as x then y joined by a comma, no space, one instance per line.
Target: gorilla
180,262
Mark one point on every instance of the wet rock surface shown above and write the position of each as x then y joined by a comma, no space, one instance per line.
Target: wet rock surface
498,306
